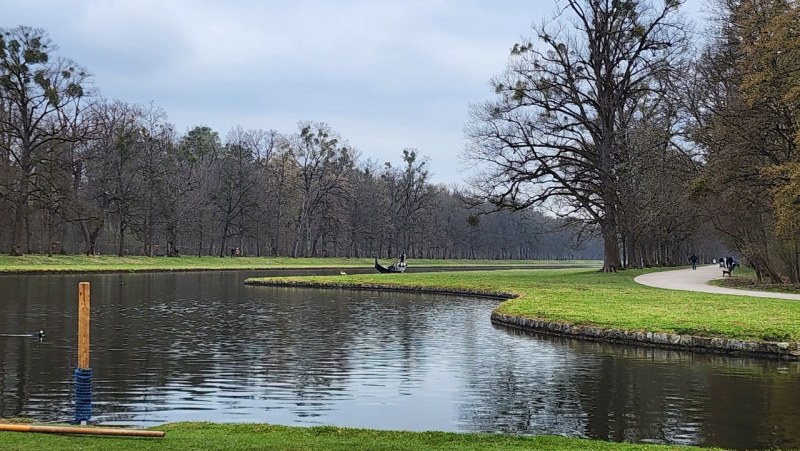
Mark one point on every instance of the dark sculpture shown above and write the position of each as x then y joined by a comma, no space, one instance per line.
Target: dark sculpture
396,267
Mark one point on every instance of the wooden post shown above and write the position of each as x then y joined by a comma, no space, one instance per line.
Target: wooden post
84,295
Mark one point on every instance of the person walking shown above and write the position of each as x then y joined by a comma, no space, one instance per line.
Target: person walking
693,258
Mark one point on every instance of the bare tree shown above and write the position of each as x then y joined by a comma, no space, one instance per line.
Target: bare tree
282,173
117,176
554,134
42,98
233,186
201,148
367,202
410,193
256,222
120,148
157,139
323,160
747,124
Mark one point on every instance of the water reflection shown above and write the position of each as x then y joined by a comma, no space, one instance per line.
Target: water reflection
203,346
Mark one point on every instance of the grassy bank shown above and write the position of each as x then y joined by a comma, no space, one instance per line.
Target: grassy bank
611,301
746,279
83,263
201,436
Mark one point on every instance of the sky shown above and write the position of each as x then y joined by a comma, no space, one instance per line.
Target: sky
384,74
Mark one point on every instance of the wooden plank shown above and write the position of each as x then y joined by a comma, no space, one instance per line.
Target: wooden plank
80,430
84,301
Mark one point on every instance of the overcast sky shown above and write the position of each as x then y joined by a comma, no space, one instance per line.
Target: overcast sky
384,74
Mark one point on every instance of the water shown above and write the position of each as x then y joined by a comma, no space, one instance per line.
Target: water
202,346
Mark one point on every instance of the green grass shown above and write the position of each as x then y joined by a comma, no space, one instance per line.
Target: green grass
611,301
207,436
745,279
83,263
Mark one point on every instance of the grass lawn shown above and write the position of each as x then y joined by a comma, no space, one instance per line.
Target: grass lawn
207,436
612,301
745,279
83,263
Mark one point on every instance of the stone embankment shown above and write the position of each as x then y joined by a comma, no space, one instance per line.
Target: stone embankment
768,349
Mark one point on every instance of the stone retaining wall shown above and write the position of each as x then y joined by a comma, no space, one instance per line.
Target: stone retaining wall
779,350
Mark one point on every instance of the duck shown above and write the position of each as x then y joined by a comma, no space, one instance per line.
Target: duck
38,334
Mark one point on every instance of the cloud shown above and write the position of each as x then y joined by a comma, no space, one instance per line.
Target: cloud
385,74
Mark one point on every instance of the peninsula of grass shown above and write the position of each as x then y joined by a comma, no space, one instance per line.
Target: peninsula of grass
196,436
589,298
107,263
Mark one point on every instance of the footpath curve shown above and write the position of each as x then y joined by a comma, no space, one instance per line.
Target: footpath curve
697,280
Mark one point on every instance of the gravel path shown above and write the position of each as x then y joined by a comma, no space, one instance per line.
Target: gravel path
697,280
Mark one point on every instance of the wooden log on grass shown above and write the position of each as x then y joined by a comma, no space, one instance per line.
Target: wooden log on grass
80,430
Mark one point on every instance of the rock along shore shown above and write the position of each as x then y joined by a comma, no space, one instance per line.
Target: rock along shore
767,349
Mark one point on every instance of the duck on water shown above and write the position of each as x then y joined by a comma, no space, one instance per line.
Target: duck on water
38,334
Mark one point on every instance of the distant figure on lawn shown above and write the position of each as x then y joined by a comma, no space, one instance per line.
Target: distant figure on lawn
728,262
693,258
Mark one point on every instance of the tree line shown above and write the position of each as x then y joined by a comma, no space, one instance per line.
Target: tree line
663,140
84,174
746,106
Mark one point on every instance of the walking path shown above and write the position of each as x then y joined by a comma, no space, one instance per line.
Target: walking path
697,280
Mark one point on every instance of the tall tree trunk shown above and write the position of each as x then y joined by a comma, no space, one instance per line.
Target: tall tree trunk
19,218
172,249
225,229
28,233
121,248
276,241
200,244
49,226
611,260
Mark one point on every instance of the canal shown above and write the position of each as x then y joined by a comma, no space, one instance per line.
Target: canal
202,346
